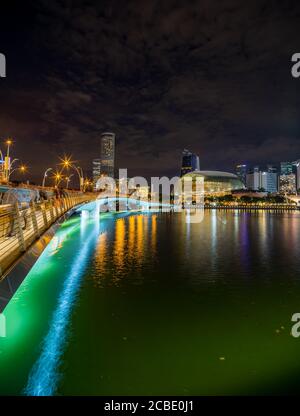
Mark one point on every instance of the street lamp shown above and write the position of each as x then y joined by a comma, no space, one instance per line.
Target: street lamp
67,163
21,168
7,164
58,178
68,178
86,184
8,143
45,176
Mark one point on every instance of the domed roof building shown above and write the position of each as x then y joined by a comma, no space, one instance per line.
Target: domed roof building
216,182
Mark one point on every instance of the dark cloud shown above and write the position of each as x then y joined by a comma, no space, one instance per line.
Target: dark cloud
207,75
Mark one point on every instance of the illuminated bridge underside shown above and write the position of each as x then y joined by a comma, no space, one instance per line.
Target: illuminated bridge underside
125,204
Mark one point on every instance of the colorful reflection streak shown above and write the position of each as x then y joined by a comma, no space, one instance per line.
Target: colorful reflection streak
44,375
132,235
164,307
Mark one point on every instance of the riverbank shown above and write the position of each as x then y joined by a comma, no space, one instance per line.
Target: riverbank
255,207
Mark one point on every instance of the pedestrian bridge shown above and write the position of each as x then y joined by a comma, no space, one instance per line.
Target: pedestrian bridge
104,204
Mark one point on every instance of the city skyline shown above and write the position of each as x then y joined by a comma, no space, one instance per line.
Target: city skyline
149,201
268,178
160,89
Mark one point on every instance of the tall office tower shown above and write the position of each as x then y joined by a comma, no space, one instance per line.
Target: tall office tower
297,173
272,178
288,178
286,168
266,181
96,171
269,182
253,179
287,184
190,162
108,143
272,168
241,173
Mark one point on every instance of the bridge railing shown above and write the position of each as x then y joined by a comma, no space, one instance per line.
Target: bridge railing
20,227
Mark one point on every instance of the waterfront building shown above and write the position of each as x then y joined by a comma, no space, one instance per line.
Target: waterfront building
96,171
266,181
216,182
253,179
287,184
272,179
190,162
288,178
272,169
269,181
241,173
297,173
108,142
286,168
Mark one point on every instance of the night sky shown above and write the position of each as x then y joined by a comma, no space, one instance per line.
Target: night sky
210,76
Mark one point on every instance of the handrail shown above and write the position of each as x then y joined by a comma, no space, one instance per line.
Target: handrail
20,227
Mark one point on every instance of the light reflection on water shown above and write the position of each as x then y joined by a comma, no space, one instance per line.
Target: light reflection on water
163,298
134,239
209,250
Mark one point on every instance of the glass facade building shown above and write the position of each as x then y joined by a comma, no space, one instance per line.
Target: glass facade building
264,181
216,182
241,173
288,178
96,171
287,184
286,168
108,142
190,162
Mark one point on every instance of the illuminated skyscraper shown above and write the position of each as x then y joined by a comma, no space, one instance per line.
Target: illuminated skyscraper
286,168
241,173
297,173
266,181
190,162
288,178
96,171
108,154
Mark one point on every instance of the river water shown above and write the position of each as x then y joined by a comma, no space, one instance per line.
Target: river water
147,304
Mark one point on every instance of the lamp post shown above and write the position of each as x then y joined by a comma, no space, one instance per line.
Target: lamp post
81,178
11,165
2,166
86,184
45,176
58,178
68,164
21,168
68,178
7,164
8,143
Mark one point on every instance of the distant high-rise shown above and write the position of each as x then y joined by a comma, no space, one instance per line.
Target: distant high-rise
272,169
96,171
190,162
241,173
286,168
297,172
108,154
266,181
253,179
288,178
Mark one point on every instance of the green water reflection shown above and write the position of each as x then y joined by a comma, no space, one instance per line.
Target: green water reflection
167,307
